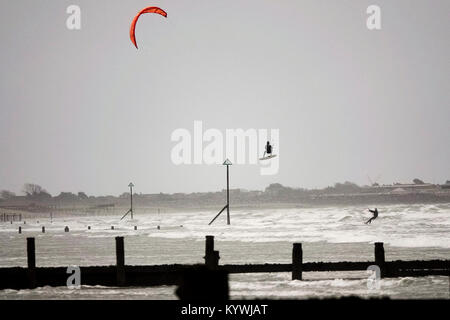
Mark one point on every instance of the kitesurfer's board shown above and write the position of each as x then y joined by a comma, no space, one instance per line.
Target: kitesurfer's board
268,157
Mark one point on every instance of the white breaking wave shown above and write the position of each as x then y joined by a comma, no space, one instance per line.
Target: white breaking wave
397,225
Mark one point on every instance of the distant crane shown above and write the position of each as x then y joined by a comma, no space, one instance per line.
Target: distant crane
374,183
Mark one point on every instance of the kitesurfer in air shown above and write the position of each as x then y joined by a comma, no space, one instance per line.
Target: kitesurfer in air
375,215
268,150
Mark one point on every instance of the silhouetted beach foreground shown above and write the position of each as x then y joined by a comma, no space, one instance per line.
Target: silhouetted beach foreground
410,232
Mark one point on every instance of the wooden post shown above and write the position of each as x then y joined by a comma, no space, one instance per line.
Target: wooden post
379,258
297,261
120,261
43,229
31,260
209,248
228,195
211,256
31,253
215,259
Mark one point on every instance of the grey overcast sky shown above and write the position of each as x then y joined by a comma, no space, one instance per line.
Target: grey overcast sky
85,111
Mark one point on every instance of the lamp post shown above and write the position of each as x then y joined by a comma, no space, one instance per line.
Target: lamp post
228,164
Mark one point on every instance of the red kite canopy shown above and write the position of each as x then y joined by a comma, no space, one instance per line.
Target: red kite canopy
145,10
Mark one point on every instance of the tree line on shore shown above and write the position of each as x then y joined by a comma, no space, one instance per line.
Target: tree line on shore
34,193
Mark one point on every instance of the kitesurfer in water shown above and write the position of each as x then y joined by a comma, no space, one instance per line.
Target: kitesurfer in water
375,215
268,150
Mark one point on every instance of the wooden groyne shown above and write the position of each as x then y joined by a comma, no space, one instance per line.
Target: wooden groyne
173,274
10,217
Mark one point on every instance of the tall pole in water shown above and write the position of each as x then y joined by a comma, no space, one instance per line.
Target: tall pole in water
228,195
227,206
131,185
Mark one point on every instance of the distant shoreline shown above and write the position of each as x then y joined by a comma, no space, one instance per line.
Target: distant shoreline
274,196
339,202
